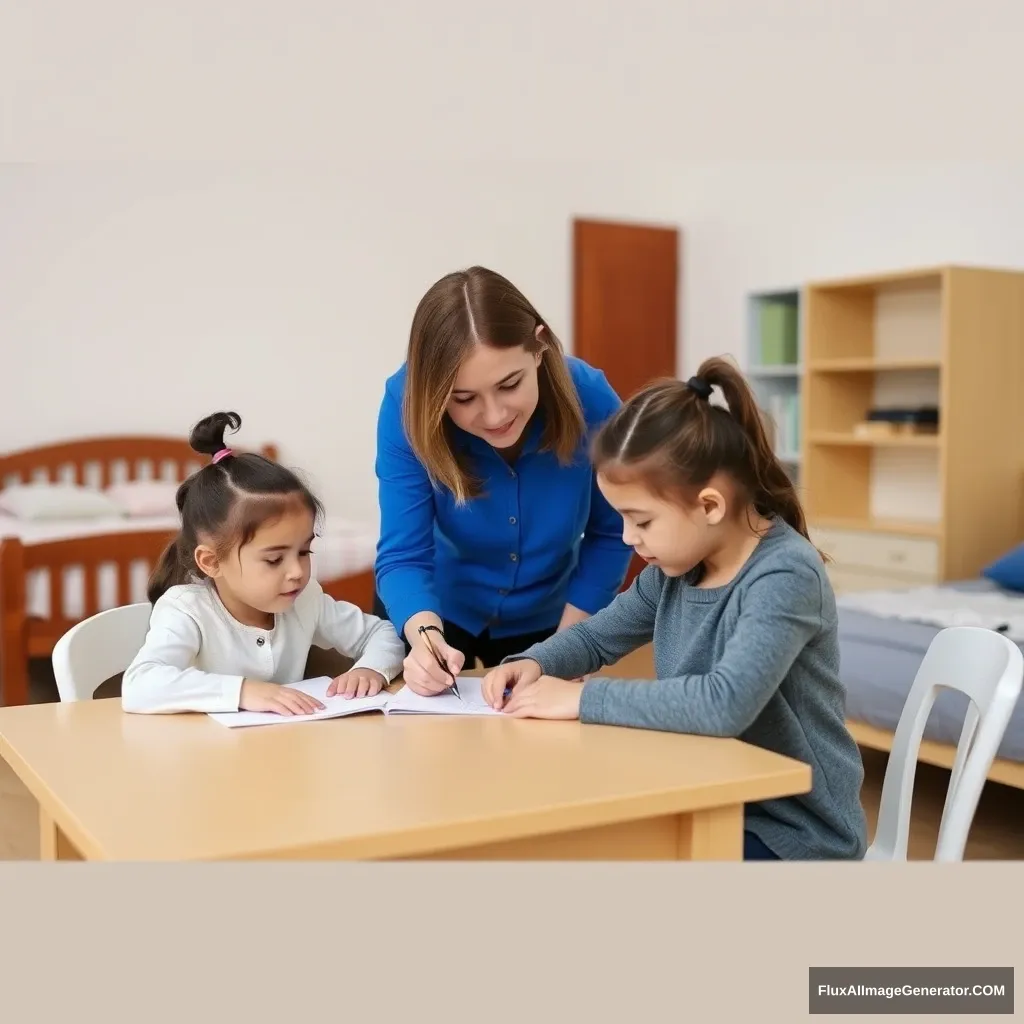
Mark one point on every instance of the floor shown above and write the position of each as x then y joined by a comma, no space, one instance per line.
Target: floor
996,835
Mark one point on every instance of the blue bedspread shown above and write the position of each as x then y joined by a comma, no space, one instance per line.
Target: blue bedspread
880,658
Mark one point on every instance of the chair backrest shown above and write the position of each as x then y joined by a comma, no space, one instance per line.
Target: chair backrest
989,669
97,648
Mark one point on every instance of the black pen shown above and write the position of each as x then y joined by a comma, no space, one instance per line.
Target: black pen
454,687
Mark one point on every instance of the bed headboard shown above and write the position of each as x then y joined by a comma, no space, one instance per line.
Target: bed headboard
101,461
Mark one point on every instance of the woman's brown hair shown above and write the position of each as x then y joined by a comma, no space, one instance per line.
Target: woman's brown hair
672,436
463,309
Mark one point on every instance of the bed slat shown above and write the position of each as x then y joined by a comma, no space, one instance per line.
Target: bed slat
90,590
124,584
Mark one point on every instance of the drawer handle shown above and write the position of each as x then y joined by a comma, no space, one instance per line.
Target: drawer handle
897,556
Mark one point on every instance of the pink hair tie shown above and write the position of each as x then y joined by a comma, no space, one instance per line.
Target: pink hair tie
222,454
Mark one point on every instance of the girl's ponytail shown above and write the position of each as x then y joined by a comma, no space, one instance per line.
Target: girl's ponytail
773,492
175,565
170,571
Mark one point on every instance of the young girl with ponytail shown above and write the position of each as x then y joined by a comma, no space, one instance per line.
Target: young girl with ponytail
735,598
235,609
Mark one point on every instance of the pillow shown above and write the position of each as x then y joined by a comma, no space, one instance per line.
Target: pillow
57,501
145,497
1007,571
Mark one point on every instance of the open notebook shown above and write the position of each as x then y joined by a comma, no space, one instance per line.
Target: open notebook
404,702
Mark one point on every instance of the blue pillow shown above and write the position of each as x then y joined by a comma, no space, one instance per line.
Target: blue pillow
1007,571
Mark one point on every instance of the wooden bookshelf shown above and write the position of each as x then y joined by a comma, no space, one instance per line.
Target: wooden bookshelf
913,509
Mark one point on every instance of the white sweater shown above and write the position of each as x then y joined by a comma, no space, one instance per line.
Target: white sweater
196,655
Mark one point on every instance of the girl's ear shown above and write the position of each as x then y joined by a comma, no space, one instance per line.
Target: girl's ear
207,561
712,502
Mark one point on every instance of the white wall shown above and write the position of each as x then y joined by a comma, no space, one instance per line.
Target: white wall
753,226
139,298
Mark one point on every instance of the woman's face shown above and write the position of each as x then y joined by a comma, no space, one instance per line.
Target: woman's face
496,393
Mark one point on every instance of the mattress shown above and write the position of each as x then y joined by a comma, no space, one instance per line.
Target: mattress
880,657
344,548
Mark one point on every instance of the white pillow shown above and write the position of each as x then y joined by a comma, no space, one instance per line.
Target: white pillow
57,501
145,497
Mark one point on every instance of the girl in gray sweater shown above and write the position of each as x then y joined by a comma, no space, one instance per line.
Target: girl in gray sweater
735,599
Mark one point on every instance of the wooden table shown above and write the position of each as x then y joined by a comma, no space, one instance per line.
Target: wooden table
113,786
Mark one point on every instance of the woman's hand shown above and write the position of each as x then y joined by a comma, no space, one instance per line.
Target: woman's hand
422,673
281,700
358,682
506,678
546,697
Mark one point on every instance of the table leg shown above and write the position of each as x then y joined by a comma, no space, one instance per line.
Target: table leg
53,844
712,834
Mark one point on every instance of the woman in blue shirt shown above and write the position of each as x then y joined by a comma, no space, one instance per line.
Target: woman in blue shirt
493,531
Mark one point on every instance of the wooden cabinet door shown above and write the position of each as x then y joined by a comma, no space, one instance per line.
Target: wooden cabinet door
625,301
625,305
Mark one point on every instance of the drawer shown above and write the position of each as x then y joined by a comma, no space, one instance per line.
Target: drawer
916,557
846,581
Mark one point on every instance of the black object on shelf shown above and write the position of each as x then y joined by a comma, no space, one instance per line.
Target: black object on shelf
925,416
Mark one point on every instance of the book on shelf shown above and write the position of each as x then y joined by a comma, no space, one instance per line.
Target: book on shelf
784,411
778,333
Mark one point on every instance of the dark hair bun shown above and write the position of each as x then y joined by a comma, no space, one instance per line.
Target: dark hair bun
207,435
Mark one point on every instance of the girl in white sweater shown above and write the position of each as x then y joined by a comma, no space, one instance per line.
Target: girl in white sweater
234,608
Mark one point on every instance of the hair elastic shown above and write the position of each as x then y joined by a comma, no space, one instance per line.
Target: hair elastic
222,454
700,386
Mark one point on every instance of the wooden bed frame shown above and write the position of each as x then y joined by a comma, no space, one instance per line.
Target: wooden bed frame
23,637
1010,773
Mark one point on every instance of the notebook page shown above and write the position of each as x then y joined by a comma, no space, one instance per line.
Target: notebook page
405,702
336,707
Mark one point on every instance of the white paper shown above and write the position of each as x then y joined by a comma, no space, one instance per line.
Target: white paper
469,702
404,702
336,707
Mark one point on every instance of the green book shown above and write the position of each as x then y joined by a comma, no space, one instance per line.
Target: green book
778,333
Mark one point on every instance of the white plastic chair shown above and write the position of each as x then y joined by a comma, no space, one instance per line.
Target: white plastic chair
97,648
989,669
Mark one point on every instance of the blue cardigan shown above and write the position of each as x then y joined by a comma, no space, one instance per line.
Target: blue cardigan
540,536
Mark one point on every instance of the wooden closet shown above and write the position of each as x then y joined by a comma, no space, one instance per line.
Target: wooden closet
626,304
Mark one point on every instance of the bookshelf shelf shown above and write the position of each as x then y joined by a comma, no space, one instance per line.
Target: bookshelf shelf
782,370
895,441
897,527
871,365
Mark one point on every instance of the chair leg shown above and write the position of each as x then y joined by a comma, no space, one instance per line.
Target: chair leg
965,790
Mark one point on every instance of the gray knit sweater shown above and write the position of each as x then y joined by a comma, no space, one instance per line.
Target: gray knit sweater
756,659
